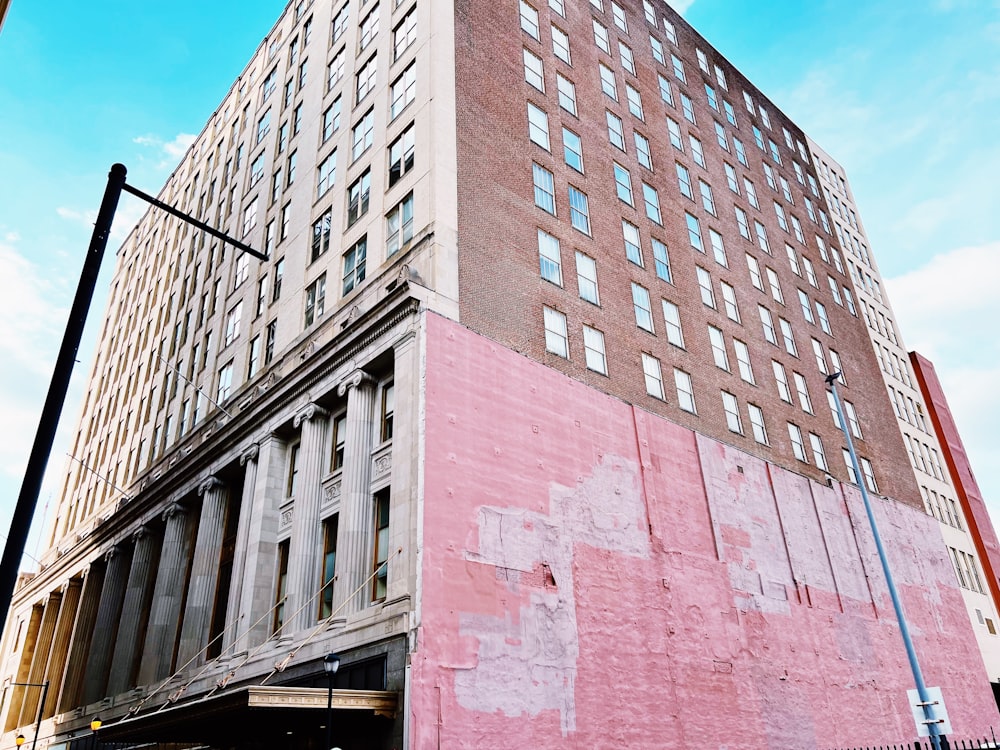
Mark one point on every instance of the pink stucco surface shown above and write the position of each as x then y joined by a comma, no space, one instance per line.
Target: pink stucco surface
594,576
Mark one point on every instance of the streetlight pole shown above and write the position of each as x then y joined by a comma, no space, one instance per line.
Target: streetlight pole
41,707
95,724
331,663
34,472
930,719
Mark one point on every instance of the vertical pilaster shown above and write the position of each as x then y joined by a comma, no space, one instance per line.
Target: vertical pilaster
204,571
71,693
108,616
32,628
135,612
306,548
32,696
354,541
168,597
56,667
237,623
260,563
405,466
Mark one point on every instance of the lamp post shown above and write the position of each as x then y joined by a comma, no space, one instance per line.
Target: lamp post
19,740
41,707
331,663
95,724
930,720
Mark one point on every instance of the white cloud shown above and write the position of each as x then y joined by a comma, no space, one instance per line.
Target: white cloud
681,6
170,151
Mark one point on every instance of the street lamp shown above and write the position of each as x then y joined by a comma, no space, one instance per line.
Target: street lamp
930,720
41,707
95,724
331,663
19,740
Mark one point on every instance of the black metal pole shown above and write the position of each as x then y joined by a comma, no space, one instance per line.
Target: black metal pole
41,707
20,524
329,711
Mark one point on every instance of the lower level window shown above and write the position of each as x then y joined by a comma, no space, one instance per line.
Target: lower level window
381,566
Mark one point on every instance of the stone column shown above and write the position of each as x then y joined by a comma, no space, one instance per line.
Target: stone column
168,596
402,577
70,696
354,535
237,624
135,612
204,572
108,615
257,590
305,552
32,695
18,694
56,667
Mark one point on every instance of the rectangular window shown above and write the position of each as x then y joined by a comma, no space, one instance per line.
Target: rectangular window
369,27
633,251
661,260
358,195
798,447
684,181
685,391
697,152
403,91
601,38
233,323
675,134
320,236
678,67
280,588
718,343
586,278
643,310
329,570
802,389
399,226
608,85
642,150
741,152
768,324
593,344
529,20
820,358
786,335
623,183
781,380
743,361
619,16
869,471
567,93
361,134
751,193
852,419
538,126
757,423
315,300
824,321
550,259
326,174
556,340
250,217
572,150
388,412
560,45
666,93
355,261
545,196
762,237
705,285
263,126
707,199
732,409
694,232
380,567
653,375
819,455
634,101
652,201
754,268
401,155
713,99
616,131
743,222
533,70
687,107
335,70
579,210
729,298
657,47
225,382
404,34
672,318
270,336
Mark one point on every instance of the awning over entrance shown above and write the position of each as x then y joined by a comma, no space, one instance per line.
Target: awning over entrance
252,716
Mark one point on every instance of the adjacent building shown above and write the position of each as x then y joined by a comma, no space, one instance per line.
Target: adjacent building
524,417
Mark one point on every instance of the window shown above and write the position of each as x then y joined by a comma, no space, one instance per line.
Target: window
741,153
404,34
545,197
601,37
263,126
225,383
257,169
619,16
718,248
388,412
250,217
358,195
819,455
567,94
786,335
718,343
642,150
824,321
558,6
751,193
623,183
560,45
757,423
660,260
335,70
798,447
331,120
303,68
326,174
608,85
643,310
684,181
529,20
803,391
671,32
270,337
697,152
320,236
707,199
781,380
652,201
754,268
616,131
380,567
549,258
721,137
399,226
729,299
774,151
586,278
579,211
666,93
732,408
634,101
768,324
329,565
369,27
705,285
355,261
261,299
403,91
675,134
361,134
538,126
340,23
233,323
685,391
653,376
365,79
852,419
702,60
242,269
780,213
628,62
556,340
762,237
688,109
730,113
869,471
820,359
678,67
572,150
632,249
775,285
279,272
593,345
713,99
401,155
533,70
731,178
694,232
837,366
315,300
743,222
743,361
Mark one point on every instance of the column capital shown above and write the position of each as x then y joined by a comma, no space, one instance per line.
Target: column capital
355,380
174,509
140,533
249,453
113,551
308,413
209,483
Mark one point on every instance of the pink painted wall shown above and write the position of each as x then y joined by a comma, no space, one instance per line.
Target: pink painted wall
597,577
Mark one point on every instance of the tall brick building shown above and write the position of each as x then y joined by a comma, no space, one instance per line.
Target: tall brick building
524,417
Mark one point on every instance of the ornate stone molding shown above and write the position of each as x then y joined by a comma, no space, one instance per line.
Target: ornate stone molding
309,412
354,380
174,509
140,533
210,483
249,453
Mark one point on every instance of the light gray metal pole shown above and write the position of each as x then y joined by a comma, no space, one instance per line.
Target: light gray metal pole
904,630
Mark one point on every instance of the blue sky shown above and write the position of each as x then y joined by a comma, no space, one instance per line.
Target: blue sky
905,95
